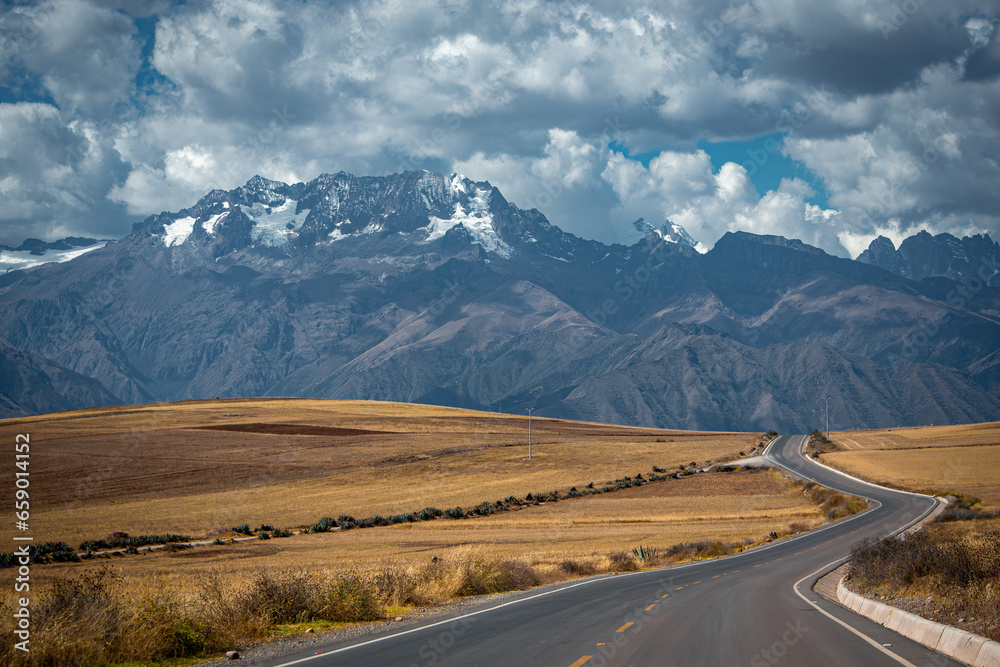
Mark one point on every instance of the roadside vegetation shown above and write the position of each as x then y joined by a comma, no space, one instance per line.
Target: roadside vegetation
819,444
949,572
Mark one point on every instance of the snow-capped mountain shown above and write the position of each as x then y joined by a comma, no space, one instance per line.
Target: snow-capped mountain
35,252
433,288
668,231
416,207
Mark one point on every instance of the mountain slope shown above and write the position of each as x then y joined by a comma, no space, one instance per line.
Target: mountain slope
32,385
433,288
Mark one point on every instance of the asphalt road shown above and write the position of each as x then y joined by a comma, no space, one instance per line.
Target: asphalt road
755,608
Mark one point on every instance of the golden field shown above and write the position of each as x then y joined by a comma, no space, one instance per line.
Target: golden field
202,467
961,459
731,507
168,468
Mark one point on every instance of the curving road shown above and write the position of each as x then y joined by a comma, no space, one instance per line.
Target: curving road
755,608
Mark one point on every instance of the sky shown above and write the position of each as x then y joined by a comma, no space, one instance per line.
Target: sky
831,122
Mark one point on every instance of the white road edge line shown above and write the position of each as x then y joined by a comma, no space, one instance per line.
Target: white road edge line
432,625
795,587
838,563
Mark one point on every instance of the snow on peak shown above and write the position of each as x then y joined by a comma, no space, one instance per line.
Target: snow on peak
669,231
23,259
438,188
273,226
475,217
674,233
457,183
178,231
210,224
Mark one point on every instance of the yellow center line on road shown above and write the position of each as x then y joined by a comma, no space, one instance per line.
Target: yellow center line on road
664,595
679,588
625,627
735,571
650,606
717,576
582,661
697,582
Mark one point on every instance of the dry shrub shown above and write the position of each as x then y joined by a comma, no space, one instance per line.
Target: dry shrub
622,561
284,596
961,572
702,549
798,527
470,571
94,619
400,587
98,618
222,609
834,503
897,562
476,571
350,598
577,568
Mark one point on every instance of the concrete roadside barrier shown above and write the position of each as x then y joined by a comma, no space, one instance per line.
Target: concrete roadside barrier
960,645
989,655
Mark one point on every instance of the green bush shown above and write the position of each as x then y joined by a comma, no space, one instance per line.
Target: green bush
188,639
644,553
322,526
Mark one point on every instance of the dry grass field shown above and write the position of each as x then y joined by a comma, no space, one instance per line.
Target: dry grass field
731,507
939,459
201,467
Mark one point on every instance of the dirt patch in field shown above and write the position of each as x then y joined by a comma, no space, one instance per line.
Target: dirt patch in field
291,429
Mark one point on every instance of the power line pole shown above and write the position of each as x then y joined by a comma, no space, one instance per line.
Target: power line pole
529,433
827,399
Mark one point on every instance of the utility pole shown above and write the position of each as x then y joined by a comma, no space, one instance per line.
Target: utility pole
529,433
827,399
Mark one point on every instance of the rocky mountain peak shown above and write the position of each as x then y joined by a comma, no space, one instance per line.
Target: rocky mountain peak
882,253
942,256
669,231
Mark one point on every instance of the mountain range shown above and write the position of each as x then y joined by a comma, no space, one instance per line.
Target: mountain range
34,252
433,288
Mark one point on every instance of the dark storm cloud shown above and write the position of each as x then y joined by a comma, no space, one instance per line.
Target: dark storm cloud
984,64
142,107
874,52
